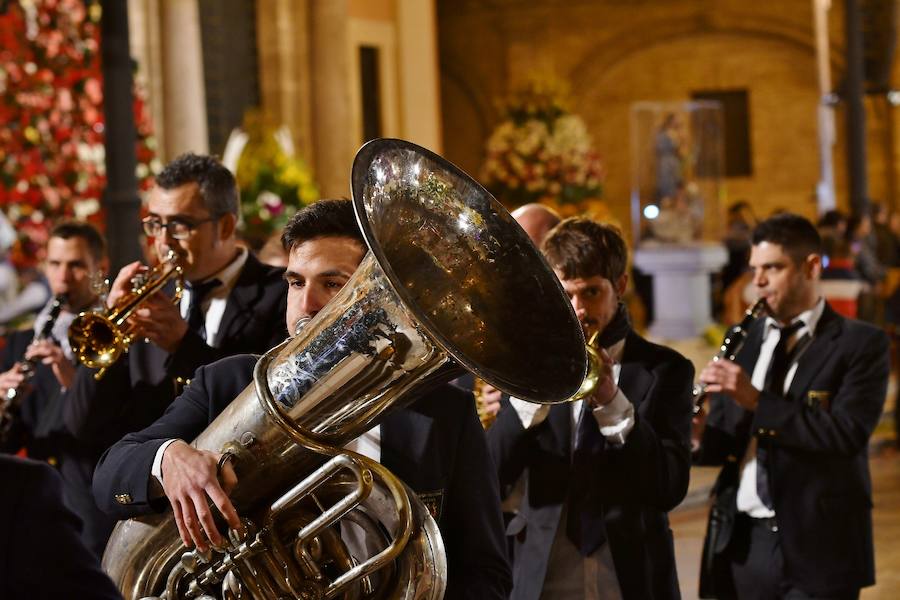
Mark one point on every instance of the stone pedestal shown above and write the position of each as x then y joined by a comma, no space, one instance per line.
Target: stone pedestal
681,292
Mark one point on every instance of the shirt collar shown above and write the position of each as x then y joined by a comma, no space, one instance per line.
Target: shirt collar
229,274
809,318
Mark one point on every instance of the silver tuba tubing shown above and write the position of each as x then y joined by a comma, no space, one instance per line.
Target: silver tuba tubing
450,280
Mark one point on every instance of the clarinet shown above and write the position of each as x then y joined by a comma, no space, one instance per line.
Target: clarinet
11,400
731,345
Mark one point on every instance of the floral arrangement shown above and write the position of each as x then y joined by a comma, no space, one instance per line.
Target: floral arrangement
541,151
52,155
274,182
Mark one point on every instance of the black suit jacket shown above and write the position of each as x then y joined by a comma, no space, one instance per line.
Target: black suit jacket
436,445
817,436
41,554
136,390
41,430
631,487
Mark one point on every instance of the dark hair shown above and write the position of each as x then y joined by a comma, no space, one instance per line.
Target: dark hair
582,248
832,218
218,188
795,234
70,228
325,218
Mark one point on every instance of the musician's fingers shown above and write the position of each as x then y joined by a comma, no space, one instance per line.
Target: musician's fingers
191,521
607,359
223,503
205,516
714,388
228,477
179,522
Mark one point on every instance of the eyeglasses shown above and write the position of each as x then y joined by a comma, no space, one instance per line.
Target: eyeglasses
176,228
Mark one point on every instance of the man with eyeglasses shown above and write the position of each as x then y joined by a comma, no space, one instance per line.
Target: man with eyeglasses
232,304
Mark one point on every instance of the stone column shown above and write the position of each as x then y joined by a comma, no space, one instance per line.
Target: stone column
856,113
332,114
144,38
681,292
420,101
120,196
283,43
184,90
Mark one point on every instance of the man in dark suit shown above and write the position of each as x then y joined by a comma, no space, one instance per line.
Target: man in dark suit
600,473
231,304
42,556
790,421
76,256
436,446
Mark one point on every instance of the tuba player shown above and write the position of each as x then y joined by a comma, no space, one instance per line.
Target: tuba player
436,445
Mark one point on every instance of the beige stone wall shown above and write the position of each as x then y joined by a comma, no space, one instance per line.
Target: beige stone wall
614,53
309,73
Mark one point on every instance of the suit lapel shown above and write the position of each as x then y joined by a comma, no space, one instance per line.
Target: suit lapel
635,380
559,422
746,358
810,363
241,300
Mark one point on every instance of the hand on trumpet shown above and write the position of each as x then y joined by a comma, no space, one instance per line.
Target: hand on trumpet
190,478
157,319
48,352
489,397
123,282
726,377
606,382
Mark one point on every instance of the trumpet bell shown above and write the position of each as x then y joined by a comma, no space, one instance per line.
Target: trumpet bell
97,341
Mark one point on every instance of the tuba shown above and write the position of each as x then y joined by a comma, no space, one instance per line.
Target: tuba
450,281
99,339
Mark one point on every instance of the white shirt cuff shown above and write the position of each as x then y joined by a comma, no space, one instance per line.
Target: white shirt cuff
156,469
531,414
615,419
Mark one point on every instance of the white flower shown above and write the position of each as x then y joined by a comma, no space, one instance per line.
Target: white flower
85,208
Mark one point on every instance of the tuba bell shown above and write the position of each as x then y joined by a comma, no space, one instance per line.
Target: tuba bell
98,339
450,281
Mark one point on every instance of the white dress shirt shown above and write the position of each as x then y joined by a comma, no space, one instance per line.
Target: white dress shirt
748,500
213,306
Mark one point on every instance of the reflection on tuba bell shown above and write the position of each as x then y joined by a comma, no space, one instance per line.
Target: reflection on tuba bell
449,281
99,339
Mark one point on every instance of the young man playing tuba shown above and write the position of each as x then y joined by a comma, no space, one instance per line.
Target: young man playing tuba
436,445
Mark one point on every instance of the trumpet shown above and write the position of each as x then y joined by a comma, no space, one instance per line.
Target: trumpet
595,370
27,367
731,345
99,339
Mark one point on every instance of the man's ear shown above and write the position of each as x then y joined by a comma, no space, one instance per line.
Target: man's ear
621,284
813,266
227,226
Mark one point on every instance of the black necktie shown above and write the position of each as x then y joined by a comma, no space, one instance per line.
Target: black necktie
778,370
196,319
584,517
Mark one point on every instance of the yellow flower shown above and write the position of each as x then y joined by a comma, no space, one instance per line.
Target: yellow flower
32,135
